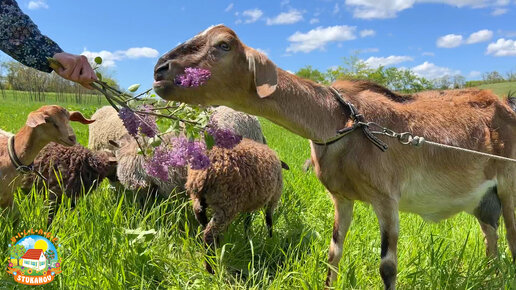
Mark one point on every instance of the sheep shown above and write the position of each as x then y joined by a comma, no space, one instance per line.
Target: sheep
17,152
131,171
108,127
71,171
435,183
240,123
239,180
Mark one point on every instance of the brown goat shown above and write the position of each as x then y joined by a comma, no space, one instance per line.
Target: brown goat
45,125
432,182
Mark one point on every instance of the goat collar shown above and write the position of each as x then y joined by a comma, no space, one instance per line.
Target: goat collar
24,169
358,122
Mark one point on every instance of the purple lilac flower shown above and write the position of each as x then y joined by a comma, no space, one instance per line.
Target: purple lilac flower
179,156
158,165
193,77
224,138
130,120
148,125
196,155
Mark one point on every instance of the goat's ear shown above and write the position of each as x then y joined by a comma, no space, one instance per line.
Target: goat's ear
265,74
78,117
35,119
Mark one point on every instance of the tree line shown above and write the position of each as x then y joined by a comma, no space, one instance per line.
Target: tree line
22,80
396,79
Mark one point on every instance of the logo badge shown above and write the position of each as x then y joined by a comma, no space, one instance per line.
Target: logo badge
33,257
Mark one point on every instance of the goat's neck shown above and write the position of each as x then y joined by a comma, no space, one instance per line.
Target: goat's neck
27,145
303,107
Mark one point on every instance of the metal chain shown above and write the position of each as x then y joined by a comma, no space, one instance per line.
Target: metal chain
407,138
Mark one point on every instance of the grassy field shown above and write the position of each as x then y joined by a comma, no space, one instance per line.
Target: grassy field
101,250
501,89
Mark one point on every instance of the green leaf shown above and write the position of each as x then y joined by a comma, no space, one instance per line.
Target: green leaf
209,140
98,60
99,75
156,142
133,88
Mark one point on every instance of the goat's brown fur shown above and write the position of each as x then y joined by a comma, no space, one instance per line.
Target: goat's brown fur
432,182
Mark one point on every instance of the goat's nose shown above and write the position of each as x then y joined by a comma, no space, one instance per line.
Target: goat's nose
72,139
160,70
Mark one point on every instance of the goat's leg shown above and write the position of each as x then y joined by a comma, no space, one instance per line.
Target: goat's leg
488,214
506,185
199,208
388,218
342,220
215,227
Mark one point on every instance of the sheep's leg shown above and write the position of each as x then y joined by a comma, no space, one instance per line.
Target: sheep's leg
388,218
342,220
506,185
488,214
215,227
268,219
199,208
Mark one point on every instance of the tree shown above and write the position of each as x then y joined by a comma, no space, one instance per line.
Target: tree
315,75
17,251
50,254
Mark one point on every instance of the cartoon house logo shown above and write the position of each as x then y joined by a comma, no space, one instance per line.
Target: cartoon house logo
33,258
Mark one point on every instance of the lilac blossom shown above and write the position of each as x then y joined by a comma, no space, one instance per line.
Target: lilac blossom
130,120
224,138
147,124
197,156
157,166
193,77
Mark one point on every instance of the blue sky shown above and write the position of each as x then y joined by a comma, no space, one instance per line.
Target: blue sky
432,37
29,241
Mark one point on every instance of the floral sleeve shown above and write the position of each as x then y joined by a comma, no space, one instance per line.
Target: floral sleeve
21,39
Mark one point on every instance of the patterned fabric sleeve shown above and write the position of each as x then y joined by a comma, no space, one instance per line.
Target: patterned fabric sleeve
21,39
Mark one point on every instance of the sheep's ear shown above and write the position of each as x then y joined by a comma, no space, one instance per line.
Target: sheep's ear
78,117
35,119
265,74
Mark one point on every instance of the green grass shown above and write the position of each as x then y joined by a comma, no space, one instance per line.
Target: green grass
100,251
501,89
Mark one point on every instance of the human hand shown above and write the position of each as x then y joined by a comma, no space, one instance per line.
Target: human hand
75,68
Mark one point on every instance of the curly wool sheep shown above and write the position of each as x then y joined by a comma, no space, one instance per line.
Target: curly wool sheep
243,179
240,123
132,175
70,170
108,126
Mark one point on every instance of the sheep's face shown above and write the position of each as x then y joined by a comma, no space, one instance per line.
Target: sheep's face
52,124
237,71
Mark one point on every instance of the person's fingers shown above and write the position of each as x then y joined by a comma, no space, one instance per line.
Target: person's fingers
76,73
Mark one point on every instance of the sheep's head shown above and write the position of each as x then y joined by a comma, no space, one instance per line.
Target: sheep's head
238,72
52,124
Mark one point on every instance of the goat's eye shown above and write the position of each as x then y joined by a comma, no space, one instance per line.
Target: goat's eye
224,46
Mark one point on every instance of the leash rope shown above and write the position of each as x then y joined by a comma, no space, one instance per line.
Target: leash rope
405,138
24,169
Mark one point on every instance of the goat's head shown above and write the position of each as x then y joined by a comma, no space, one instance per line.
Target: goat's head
237,71
52,124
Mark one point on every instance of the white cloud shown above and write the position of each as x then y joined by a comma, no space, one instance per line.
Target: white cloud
28,243
290,17
229,7
264,51
368,50
375,62
109,58
138,52
428,53
369,9
499,11
314,20
480,36
502,47
430,71
33,5
252,15
318,38
474,74
449,41
336,8
367,32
